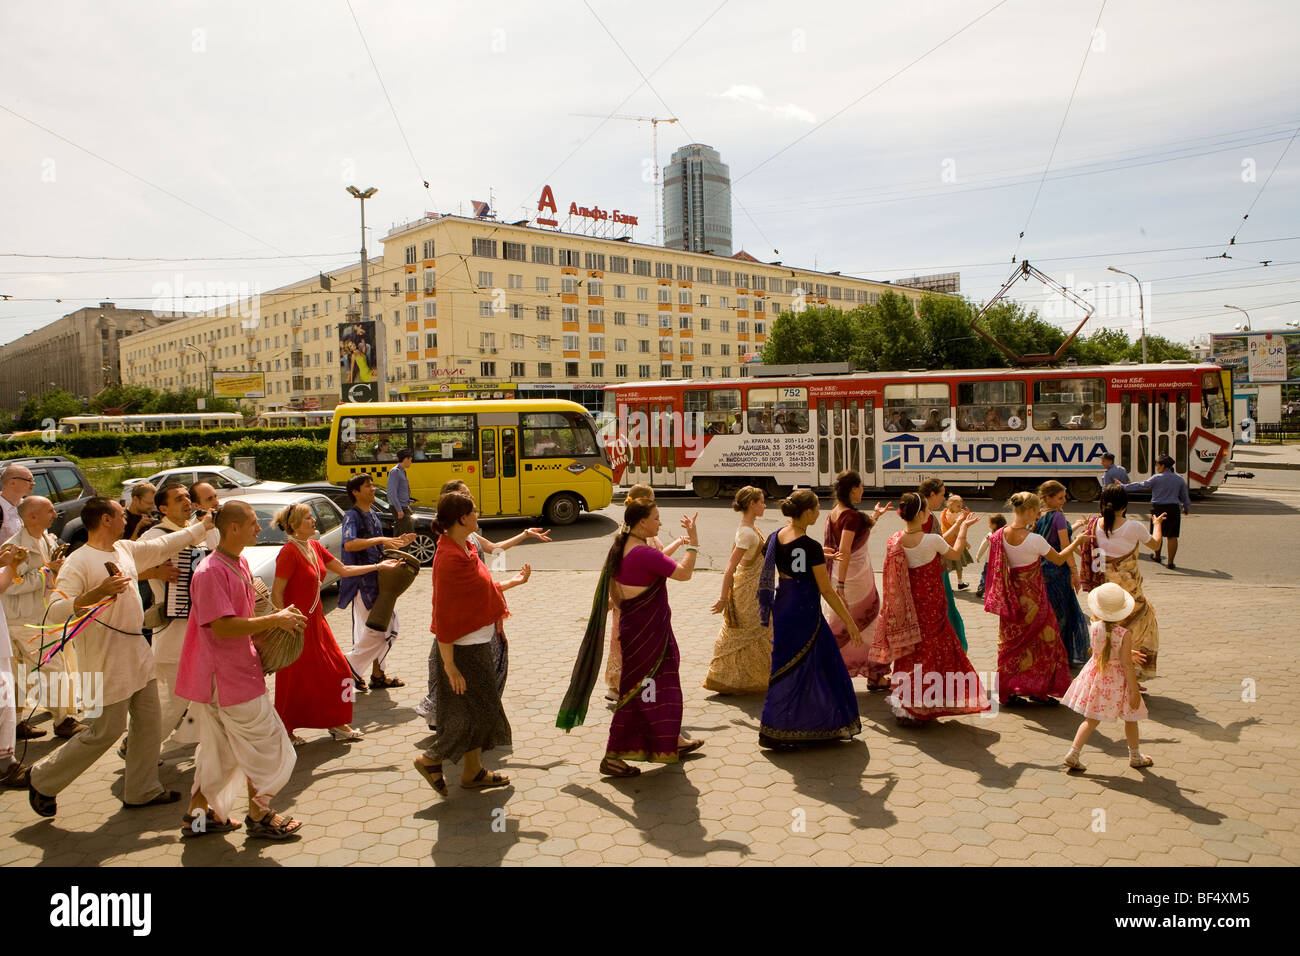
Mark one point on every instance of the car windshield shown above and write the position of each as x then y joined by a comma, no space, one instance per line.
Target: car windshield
238,477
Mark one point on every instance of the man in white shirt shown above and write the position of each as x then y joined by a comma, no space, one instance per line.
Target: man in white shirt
16,482
24,604
203,498
113,644
13,773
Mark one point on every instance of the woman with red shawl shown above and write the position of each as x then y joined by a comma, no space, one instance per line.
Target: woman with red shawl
932,675
1031,658
467,609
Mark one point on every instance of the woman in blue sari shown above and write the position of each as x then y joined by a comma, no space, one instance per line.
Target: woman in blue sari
810,694
1062,579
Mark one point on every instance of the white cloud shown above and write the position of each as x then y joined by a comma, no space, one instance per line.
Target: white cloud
754,96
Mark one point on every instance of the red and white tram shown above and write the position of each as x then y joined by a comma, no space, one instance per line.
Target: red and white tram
1003,429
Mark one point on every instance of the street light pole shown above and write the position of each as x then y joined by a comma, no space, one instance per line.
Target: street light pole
1142,314
1245,326
381,339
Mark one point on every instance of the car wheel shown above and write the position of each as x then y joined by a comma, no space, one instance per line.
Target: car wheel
423,548
563,508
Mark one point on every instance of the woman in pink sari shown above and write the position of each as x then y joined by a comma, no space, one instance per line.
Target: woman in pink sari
847,531
1031,658
932,675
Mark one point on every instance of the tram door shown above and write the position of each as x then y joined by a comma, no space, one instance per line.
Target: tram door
1153,422
845,439
498,467
662,445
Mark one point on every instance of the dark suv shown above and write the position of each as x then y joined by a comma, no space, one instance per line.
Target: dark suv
63,483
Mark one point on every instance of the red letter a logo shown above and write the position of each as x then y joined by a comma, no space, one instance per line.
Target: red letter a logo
547,201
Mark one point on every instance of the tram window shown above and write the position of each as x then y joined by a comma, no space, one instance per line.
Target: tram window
991,406
839,455
823,443
376,439
1162,414
1214,411
916,408
778,411
718,410
1180,417
1126,451
1143,448
853,419
1069,403
1180,454
837,422
1162,446
555,435
1125,413
446,437
1144,416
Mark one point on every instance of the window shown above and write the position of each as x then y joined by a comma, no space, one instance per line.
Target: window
412,342
595,287
410,255
742,280
594,261
620,371
641,267
485,309
642,294
706,371
430,369
643,371
597,369
428,249
569,257
1214,411
430,280
618,264
665,346
517,370
543,313
706,348
514,281
683,321
412,370
620,292
760,328
777,411
1069,403
620,345
704,300
596,343
543,284
919,407
986,407
487,248
687,370
556,435
445,437
704,325
723,277
571,369
516,341
643,345
684,297
724,349
596,316
412,313
516,311
487,340
569,313
485,280
570,342
430,340
375,439
758,282
431,310
704,275
620,318
568,286
514,251
663,270
665,320
66,485
665,371
742,326
544,343
487,369
724,325
543,369
717,409
665,294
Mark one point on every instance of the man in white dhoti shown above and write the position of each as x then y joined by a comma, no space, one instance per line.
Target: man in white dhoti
241,738
13,772
113,644
24,606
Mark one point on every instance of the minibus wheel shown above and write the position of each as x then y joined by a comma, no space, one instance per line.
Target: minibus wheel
563,508
706,487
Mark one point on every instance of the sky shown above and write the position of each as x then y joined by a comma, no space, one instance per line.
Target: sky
880,139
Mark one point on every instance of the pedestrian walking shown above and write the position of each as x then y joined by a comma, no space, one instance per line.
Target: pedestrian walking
742,655
1111,472
1169,494
1062,580
810,696
1107,687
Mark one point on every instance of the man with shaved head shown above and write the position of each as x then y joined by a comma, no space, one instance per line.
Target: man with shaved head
24,604
103,571
16,483
242,741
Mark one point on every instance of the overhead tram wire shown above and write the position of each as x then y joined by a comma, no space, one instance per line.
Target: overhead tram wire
1059,130
410,152
1263,186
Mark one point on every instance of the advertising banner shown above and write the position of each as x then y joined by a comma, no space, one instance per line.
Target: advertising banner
238,384
1259,357
357,362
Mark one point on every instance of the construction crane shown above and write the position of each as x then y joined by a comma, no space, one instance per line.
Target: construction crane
654,122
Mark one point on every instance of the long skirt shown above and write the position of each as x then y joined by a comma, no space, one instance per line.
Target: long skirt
1144,631
474,720
936,679
863,600
1031,658
1069,616
954,616
316,689
742,656
500,666
648,717
810,696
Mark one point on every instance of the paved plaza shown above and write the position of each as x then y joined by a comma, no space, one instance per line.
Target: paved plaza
1225,787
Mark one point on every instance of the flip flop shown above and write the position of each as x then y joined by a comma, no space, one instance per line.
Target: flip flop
482,780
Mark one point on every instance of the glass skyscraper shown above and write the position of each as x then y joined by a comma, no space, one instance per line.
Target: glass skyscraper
697,201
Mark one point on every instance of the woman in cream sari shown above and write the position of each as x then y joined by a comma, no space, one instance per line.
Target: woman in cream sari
742,657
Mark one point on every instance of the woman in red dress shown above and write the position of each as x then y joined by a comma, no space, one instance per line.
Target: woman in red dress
315,690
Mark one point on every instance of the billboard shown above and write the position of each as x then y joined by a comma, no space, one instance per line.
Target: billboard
357,362
238,384
1259,358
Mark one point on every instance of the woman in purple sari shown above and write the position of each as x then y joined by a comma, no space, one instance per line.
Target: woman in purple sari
810,695
1062,579
1031,658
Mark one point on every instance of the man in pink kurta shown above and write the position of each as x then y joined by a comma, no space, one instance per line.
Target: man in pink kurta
241,738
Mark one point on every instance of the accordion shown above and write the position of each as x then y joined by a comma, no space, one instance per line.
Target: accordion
177,601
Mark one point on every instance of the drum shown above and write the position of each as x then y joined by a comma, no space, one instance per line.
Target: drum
278,648
392,582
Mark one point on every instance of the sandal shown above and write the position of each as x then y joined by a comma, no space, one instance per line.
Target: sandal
1140,761
298,741
432,772
690,748
271,827
167,796
346,736
482,780
1072,765
383,681
608,768
212,825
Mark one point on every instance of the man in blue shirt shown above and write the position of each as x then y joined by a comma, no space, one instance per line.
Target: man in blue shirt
1113,472
1168,493
364,543
399,493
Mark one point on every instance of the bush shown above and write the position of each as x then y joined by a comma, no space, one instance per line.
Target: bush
202,455
285,459
104,444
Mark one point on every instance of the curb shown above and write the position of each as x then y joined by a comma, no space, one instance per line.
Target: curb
1273,465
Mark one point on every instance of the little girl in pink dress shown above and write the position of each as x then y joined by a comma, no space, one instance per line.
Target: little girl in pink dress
1107,687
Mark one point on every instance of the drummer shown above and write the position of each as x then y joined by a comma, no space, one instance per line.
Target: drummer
364,543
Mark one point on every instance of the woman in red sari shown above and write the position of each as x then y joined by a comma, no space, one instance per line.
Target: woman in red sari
313,691
932,675
1031,658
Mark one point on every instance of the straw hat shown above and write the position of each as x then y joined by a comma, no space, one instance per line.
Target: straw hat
1110,602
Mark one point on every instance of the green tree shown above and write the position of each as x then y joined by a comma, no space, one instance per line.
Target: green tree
1159,348
186,400
36,412
897,337
129,399
953,342
820,334
1101,347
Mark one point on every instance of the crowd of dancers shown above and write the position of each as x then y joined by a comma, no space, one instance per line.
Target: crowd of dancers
201,677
